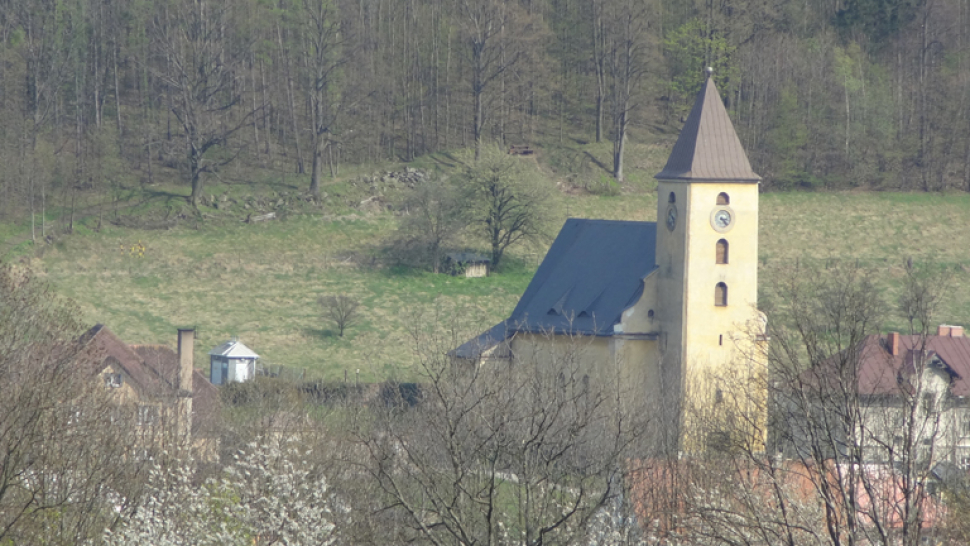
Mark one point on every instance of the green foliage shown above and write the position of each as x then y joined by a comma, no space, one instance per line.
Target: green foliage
879,20
690,49
786,144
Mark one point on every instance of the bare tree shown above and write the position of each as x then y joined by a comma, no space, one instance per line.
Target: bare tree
433,219
341,310
323,57
68,455
496,34
199,59
505,200
523,451
623,47
847,462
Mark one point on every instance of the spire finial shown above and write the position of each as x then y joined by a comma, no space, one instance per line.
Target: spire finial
709,71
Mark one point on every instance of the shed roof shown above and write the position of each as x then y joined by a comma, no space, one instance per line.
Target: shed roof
233,349
708,148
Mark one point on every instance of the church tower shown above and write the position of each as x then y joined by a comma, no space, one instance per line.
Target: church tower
707,268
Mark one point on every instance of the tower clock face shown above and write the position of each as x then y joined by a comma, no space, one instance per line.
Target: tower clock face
671,217
722,219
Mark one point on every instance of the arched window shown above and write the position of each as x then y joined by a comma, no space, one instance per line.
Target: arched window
721,255
723,199
720,295
650,314
671,198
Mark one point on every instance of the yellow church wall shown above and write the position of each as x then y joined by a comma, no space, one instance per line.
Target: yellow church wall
704,346
611,362
712,332
638,318
640,356
557,351
721,377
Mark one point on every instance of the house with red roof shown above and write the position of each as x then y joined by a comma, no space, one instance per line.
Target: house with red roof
169,400
907,394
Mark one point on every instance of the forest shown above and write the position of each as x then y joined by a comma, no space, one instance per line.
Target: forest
829,94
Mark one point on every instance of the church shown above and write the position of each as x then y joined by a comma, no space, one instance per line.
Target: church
672,304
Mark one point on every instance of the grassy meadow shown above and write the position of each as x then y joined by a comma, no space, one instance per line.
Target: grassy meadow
261,281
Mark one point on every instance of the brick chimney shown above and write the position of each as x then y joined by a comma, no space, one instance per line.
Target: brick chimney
892,343
943,330
183,383
956,331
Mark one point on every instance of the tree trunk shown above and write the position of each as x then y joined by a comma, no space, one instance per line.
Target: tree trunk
618,148
197,181
477,128
318,145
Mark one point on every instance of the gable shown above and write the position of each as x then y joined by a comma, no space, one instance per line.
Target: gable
592,272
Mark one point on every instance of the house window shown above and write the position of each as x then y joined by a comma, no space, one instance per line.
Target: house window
74,415
671,198
965,463
113,380
721,255
965,429
147,415
650,314
723,199
720,295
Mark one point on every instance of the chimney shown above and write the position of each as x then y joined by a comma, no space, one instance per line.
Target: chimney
183,385
943,330
186,347
956,331
892,343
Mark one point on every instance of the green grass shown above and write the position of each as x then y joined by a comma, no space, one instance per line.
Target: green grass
261,281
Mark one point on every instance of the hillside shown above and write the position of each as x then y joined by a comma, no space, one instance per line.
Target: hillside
260,281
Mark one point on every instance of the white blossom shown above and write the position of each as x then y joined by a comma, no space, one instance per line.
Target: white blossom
265,496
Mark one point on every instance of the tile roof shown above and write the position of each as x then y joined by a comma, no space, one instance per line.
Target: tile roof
708,148
119,354
881,373
593,271
154,370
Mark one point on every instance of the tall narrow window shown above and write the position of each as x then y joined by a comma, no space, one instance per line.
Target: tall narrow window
720,294
723,199
671,198
722,252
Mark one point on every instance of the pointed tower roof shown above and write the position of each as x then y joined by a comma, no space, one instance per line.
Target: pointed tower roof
708,149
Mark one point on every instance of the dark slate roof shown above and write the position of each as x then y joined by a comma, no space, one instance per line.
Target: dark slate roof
708,148
476,347
592,272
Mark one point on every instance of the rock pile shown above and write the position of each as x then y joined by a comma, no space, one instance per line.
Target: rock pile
381,181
